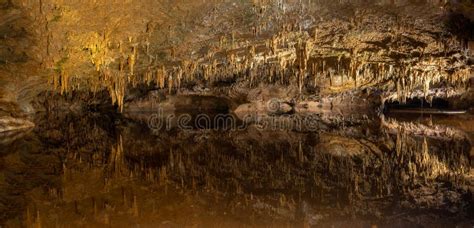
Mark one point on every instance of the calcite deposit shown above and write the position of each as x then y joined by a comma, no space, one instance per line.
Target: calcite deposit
401,49
236,113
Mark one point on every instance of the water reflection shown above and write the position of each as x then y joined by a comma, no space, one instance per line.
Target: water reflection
96,171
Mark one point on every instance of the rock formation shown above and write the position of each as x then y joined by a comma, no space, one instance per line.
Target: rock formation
395,50
80,81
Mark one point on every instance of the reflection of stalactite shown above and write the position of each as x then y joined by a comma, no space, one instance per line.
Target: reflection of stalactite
135,211
399,142
425,165
64,82
37,223
117,166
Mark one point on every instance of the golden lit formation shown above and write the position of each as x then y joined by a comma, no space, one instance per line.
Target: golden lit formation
236,113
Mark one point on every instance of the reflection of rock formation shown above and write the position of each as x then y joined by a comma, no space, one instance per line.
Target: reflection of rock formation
9,124
331,62
10,137
360,171
324,169
27,165
418,129
356,168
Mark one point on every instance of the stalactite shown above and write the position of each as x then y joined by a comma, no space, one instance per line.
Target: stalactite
55,81
170,83
161,77
426,86
64,82
274,44
132,60
315,73
120,91
179,77
147,47
148,76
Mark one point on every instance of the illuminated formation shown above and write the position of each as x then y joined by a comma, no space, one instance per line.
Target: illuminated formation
305,54
314,113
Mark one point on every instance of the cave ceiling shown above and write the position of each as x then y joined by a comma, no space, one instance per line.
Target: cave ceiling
401,49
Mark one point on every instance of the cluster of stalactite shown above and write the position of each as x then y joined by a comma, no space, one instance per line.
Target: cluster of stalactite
113,77
409,79
289,57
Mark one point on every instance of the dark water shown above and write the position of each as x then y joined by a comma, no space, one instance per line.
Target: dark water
96,171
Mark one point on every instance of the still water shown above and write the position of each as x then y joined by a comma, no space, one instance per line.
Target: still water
97,171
